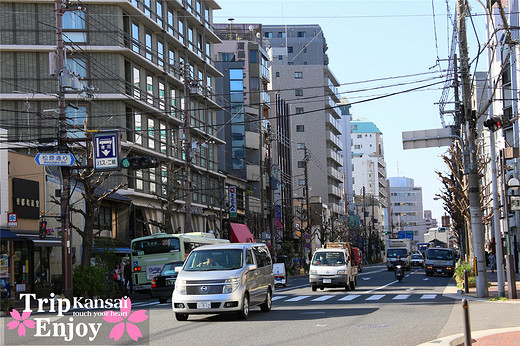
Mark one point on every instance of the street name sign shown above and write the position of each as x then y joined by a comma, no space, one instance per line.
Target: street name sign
57,159
106,151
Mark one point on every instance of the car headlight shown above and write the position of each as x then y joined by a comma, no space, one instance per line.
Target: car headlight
314,272
342,272
180,287
230,285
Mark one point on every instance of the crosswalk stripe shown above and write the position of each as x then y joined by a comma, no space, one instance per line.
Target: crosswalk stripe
349,297
278,297
297,298
402,296
428,296
321,298
375,297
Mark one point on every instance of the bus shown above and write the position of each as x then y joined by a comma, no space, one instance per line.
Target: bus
151,253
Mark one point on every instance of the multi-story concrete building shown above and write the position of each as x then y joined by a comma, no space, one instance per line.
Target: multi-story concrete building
136,57
407,208
301,75
244,129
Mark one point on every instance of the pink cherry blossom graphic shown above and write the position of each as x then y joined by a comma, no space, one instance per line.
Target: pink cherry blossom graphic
21,322
135,317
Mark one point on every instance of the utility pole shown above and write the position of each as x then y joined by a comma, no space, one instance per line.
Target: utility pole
187,149
63,148
307,208
365,224
470,155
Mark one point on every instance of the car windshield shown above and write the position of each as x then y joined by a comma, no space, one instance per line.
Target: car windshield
218,259
438,254
397,252
169,268
328,258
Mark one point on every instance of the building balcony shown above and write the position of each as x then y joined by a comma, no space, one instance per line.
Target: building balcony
332,90
266,98
335,140
334,124
331,105
333,172
334,156
334,190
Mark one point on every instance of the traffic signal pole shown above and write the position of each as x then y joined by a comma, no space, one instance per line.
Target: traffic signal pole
470,155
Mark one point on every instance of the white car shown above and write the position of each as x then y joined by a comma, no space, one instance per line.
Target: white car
417,260
280,275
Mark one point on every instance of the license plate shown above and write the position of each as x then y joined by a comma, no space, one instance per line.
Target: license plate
203,305
170,282
439,270
327,281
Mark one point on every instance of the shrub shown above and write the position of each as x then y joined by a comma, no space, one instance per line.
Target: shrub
89,281
459,275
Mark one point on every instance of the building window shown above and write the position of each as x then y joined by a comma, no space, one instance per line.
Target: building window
277,74
149,89
162,97
151,133
289,49
299,110
280,34
280,57
300,146
158,9
359,136
148,46
135,37
147,7
301,34
298,75
357,146
160,53
181,31
104,220
268,34
298,92
301,164
253,56
171,24
74,26
305,49
78,66
300,128
76,118
138,127
163,137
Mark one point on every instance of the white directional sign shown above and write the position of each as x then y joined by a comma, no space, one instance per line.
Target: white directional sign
106,151
428,138
58,159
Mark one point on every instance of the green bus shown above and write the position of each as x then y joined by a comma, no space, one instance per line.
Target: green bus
151,253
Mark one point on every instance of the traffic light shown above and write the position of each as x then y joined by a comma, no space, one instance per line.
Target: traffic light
493,123
140,162
43,229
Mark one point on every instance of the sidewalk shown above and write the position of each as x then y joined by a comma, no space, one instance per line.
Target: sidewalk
495,336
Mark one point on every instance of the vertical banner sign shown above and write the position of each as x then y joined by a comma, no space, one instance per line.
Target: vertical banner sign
232,201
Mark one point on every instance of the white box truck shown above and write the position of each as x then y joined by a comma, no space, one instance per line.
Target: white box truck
401,248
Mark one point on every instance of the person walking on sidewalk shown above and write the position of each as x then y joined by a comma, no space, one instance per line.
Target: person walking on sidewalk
128,277
492,262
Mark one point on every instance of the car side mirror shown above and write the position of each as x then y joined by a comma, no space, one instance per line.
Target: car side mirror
178,269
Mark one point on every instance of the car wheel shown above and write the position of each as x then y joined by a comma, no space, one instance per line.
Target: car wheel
244,312
181,317
266,306
314,288
163,300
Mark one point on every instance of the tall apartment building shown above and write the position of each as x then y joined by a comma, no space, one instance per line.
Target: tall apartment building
301,75
243,126
369,171
136,57
406,204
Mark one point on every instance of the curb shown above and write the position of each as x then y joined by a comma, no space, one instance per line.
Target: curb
458,339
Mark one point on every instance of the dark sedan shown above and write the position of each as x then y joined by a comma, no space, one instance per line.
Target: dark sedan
164,283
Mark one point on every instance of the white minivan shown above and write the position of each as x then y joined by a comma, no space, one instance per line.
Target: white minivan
224,278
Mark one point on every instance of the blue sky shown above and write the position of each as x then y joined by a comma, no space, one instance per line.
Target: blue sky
374,41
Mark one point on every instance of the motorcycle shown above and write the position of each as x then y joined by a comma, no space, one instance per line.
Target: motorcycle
399,272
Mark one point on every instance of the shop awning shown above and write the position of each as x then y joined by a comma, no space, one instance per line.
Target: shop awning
241,234
6,234
47,242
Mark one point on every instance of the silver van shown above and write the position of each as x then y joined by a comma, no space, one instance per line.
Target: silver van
224,278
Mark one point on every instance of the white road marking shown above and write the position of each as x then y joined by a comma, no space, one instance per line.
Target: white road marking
366,278
349,297
375,297
322,298
297,298
402,296
278,297
428,296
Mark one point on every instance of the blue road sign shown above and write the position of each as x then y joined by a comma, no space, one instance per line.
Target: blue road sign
106,151
57,159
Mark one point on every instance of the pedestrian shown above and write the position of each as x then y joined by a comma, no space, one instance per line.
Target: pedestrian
117,275
127,271
492,262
